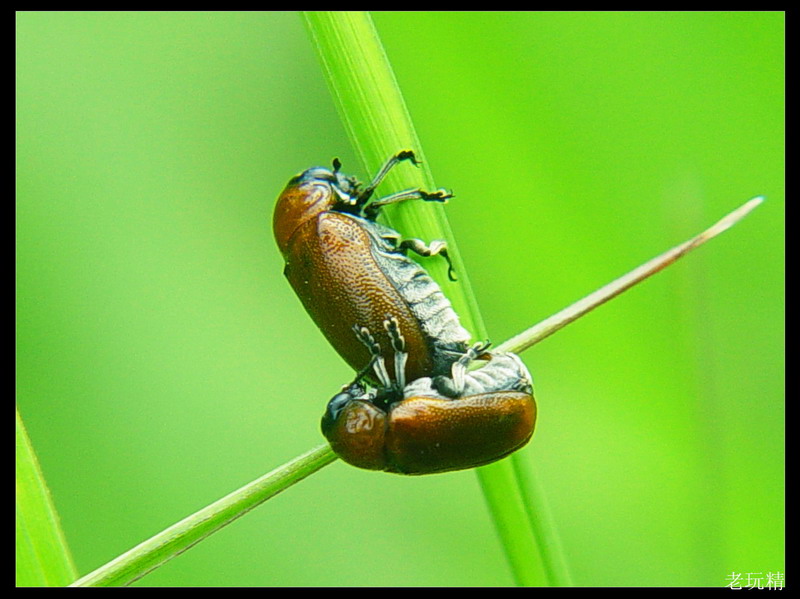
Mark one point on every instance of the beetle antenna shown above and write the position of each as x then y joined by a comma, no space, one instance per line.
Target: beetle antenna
363,372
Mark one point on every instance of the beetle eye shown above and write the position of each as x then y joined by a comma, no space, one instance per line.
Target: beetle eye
339,401
337,404
316,173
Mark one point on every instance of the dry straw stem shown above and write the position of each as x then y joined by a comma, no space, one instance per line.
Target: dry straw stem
561,319
179,537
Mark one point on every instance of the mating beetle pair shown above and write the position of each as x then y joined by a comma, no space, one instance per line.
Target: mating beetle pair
352,274
431,424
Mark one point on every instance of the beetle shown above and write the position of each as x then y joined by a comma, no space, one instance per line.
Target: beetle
348,269
432,424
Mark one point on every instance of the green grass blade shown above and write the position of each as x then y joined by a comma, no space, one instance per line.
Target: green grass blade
377,121
42,555
378,124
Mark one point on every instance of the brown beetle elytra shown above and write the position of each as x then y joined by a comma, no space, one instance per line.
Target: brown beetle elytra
432,424
349,270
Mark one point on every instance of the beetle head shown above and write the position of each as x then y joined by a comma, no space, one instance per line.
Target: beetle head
355,428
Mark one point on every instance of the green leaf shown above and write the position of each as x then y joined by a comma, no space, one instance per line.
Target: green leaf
43,558
372,107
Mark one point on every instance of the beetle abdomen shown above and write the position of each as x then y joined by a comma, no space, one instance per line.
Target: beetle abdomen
446,338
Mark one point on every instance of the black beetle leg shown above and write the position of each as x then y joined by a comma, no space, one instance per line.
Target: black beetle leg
454,386
376,361
399,346
436,248
440,195
402,155
459,368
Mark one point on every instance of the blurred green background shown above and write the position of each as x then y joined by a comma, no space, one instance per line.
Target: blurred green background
163,360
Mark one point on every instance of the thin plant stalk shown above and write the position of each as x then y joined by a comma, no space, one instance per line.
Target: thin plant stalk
179,537
559,320
378,123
